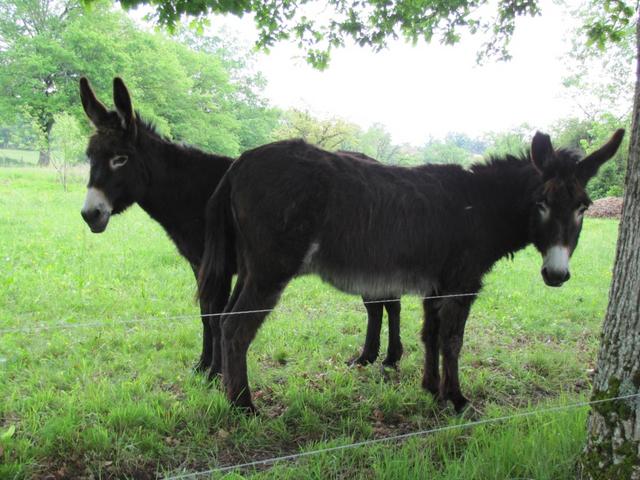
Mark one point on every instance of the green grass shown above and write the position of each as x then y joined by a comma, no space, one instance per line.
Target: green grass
18,157
120,401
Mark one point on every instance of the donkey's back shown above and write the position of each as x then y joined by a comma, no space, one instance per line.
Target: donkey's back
365,227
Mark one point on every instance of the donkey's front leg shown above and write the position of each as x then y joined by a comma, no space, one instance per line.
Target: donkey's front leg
430,337
453,316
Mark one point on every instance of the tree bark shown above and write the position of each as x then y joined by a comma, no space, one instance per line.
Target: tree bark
44,157
612,450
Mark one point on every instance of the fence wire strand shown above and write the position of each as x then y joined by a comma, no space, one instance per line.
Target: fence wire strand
296,456
113,323
393,438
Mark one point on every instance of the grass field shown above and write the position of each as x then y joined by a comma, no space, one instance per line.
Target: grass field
118,400
18,157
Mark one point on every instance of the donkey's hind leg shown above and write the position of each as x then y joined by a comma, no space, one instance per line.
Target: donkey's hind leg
394,348
207,340
238,330
210,356
216,326
372,340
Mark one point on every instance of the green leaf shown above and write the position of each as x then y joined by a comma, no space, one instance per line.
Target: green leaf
8,434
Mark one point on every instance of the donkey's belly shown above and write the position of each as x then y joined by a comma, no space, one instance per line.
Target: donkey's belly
377,284
374,283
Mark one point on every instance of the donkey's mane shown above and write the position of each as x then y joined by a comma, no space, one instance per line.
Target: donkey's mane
185,151
149,127
563,164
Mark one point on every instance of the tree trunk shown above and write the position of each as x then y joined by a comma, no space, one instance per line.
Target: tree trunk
613,437
44,158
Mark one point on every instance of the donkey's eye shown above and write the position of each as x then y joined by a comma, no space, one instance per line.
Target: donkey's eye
581,209
543,210
542,207
118,161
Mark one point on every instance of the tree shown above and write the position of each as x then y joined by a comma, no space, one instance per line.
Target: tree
613,437
407,155
367,23
257,120
456,147
510,142
601,84
599,80
204,93
436,151
67,145
339,134
473,145
588,135
29,30
377,143
331,134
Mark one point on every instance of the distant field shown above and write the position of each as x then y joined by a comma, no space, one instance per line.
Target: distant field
119,400
10,157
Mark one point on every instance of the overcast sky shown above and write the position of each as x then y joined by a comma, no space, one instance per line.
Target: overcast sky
433,89
428,90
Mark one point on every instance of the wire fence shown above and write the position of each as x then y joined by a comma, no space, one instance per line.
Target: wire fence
116,322
296,456
393,438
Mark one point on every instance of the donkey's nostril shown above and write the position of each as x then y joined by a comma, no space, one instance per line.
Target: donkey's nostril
90,215
553,278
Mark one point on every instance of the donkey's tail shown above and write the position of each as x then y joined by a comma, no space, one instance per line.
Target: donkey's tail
218,261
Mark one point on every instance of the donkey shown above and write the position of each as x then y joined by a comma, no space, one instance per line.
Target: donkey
131,163
289,208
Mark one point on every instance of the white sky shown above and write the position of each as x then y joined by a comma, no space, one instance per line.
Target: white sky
428,90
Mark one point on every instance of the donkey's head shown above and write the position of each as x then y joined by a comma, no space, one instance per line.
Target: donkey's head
117,176
561,200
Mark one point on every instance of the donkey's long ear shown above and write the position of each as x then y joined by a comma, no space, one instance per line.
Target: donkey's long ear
588,166
94,108
124,107
541,151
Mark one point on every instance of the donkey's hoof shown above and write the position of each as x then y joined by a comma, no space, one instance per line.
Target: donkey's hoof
460,404
432,386
361,360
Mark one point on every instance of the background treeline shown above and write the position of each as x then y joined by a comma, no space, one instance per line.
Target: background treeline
203,89
198,89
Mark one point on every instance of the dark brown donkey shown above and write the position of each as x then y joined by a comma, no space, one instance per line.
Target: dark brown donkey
131,163
289,208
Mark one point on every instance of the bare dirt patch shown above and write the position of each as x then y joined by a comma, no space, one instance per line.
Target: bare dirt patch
608,207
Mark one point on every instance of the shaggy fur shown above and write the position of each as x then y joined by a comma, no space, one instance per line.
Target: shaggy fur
289,208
